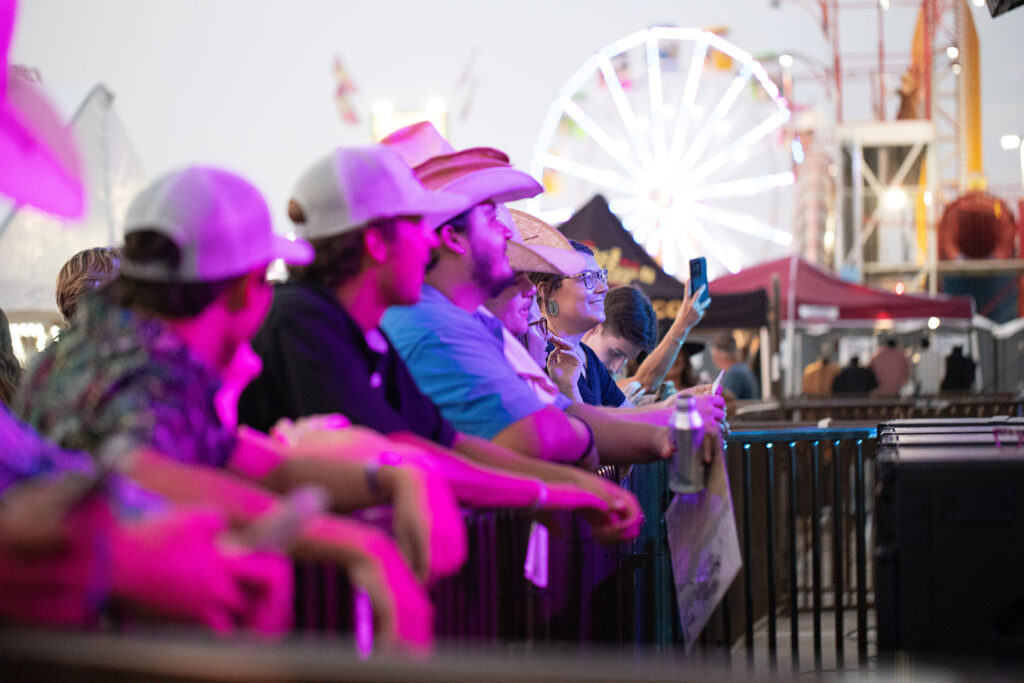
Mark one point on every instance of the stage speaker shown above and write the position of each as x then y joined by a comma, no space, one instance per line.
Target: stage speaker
949,550
997,7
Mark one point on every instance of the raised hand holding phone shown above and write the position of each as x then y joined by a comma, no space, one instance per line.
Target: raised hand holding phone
698,279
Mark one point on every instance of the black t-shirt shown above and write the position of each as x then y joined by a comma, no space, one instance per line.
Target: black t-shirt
316,360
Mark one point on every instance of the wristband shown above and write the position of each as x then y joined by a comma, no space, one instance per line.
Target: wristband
372,471
590,440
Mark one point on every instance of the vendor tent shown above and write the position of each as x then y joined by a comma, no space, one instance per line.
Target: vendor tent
34,245
628,264
818,296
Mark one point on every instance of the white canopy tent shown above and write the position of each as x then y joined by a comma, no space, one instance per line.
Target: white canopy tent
34,245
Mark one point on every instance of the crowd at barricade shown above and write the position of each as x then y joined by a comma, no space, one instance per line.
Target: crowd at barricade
197,431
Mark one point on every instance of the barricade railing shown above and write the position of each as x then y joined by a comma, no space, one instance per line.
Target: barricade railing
802,505
802,499
878,409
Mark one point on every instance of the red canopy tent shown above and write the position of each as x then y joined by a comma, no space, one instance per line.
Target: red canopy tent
822,297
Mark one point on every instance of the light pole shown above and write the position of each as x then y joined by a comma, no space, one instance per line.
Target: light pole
1014,142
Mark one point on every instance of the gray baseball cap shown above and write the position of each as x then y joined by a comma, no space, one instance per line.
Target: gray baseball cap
218,220
352,186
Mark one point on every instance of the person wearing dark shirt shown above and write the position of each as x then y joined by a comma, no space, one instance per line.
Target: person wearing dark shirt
959,371
853,379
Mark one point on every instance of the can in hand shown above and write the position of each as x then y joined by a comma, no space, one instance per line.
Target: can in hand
688,471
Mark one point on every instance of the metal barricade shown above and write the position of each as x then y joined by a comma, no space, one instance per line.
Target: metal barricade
802,507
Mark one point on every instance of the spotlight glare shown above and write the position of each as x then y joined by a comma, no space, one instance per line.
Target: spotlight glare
933,323
1009,141
895,198
786,61
952,52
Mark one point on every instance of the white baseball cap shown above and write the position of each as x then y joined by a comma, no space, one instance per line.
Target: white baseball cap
219,222
352,186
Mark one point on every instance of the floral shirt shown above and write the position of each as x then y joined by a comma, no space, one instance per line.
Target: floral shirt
118,380
25,455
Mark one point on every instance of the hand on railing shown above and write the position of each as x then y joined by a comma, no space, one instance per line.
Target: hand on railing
624,517
403,614
51,577
428,524
178,567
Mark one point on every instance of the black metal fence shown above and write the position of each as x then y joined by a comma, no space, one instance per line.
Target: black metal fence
802,505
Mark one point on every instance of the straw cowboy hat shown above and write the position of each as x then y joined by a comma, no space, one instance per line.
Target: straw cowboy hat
536,247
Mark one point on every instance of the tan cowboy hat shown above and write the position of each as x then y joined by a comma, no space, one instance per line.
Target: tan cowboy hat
536,247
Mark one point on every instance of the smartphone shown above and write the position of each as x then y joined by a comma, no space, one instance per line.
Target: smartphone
698,277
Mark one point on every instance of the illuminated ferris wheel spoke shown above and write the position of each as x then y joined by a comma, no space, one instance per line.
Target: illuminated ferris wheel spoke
640,225
591,128
741,222
611,79
690,165
685,110
604,178
669,252
743,187
657,101
739,149
717,115
711,247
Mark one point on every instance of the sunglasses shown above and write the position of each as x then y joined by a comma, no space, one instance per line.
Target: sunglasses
589,278
543,323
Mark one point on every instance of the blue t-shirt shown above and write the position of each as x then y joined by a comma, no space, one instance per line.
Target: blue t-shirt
457,359
740,380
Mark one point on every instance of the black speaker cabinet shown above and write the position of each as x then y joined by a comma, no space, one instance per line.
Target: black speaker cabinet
949,549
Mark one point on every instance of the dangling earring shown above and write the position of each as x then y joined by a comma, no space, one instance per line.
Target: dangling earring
553,308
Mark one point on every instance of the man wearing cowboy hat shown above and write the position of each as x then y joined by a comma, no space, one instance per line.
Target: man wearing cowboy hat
454,347
372,225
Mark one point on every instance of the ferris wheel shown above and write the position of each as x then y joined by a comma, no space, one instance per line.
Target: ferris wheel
684,135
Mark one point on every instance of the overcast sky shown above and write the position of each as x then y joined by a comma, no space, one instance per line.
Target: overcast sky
249,83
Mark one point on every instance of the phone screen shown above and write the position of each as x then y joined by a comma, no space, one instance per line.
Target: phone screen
699,276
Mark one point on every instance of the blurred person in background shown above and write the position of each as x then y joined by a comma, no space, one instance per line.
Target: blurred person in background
737,378
10,367
891,368
85,272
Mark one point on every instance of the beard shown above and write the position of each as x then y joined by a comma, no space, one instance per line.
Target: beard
486,279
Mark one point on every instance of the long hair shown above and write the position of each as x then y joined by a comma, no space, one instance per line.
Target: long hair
10,368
